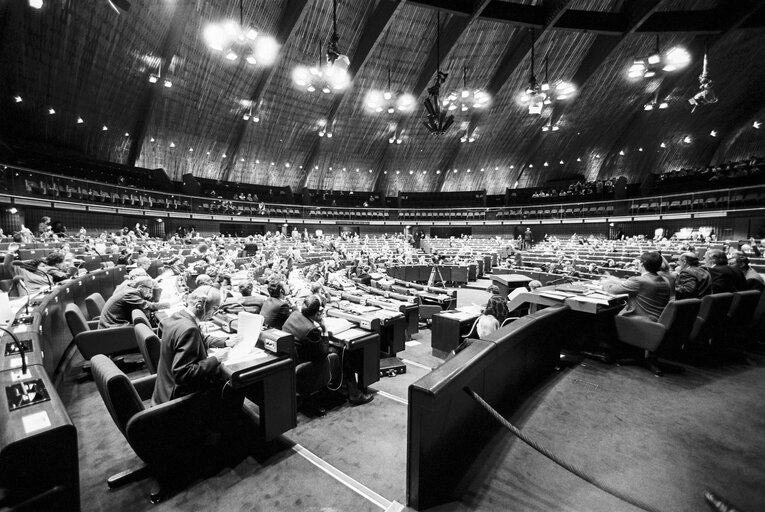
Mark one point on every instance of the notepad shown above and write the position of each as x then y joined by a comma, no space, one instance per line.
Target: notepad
336,325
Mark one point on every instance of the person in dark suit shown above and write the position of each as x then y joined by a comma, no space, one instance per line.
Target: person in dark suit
648,293
693,281
119,308
275,309
311,344
184,366
724,277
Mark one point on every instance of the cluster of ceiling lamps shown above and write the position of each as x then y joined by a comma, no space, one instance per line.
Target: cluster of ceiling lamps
330,77
537,96
388,100
155,78
237,40
466,98
657,63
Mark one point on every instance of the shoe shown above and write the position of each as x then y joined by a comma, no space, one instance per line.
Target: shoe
361,399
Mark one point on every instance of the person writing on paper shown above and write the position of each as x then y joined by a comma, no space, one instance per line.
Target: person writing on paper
648,293
184,366
312,345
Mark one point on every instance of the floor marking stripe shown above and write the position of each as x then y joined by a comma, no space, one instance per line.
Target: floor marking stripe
395,507
392,397
418,365
341,477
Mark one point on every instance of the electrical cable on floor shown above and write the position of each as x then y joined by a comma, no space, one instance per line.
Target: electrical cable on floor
565,465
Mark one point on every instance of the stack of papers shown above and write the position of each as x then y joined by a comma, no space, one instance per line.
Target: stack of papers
337,325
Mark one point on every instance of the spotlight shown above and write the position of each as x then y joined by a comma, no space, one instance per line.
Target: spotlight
153,78
36,4
168,84
756,125
17,99
13,211
713,133
51,111
663,105
172,144
80,120
104,128
687,139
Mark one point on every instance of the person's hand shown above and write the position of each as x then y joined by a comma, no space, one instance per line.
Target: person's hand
222,354
233,340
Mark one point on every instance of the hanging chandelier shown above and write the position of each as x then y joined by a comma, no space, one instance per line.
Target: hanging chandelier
388,100
237,40
537,96
466,98
438,120
706,95
656,63
329,77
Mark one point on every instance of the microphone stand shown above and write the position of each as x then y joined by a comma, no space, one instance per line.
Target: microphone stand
20,281
20,346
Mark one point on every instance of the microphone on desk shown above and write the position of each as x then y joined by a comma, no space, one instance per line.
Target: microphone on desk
563,279
19,281
20,346
29,268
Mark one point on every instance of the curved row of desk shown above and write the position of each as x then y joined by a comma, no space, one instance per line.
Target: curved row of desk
39,468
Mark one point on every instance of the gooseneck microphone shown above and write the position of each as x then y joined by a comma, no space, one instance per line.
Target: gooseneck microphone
19,282
20,346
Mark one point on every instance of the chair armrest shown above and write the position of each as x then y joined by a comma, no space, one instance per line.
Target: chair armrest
145,386
112,341
93,323
164,428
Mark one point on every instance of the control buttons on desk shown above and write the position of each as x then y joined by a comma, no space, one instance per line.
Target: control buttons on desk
25,393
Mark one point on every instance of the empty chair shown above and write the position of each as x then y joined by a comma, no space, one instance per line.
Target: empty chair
166,437
149,345
94,304
678,317
740,315
710,322
90,342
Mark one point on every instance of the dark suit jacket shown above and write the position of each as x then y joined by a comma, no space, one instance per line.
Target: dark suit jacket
727,279
275,312
119,308
183,363
693,283
310,345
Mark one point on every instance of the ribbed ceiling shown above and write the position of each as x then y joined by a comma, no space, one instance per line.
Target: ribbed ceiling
84,60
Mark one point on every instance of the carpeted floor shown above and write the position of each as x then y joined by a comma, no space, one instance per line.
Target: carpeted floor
663,440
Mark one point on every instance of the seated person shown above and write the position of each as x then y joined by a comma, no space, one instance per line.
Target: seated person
119,308
496,306
311,344
275,309
54,266
487,324
754,281
693,281
251,303
725,278
184,366
648,293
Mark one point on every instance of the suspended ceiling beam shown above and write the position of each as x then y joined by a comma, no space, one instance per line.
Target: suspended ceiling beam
706,21
735,16
285,30
376,25
452,31
152,92
515,51
637,12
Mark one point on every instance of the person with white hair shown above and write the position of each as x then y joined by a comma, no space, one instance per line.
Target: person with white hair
184,366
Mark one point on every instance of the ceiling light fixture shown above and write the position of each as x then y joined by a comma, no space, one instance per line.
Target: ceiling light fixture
438,120
468,137
234,39
17,99
397,137
657,64
466,98
36,4
388,100
80,120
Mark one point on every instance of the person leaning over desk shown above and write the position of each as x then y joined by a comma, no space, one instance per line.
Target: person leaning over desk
137,294
312,345
649,292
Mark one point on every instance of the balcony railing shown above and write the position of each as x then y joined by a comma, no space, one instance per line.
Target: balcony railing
20,182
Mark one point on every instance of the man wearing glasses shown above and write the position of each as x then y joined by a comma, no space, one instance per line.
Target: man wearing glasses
119,308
